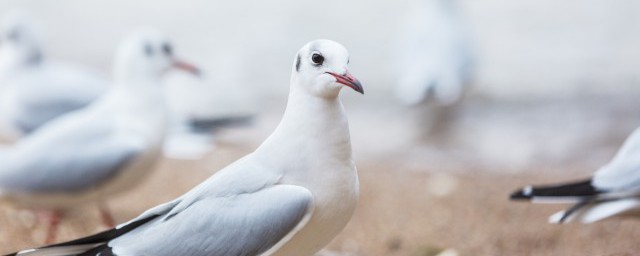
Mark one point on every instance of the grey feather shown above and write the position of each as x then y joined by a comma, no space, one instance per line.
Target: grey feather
244,224
33,116
66,158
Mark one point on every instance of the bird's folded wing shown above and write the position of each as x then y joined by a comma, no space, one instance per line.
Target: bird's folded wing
66,164
620,175
34,115
243,224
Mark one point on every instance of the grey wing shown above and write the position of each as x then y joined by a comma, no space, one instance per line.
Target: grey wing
62,94
33,115
245,224
66,158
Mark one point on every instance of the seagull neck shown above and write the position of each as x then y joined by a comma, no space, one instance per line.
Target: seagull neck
311,128
131,79
135,99
140,109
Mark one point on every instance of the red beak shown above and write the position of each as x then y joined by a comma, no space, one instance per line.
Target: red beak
185,66
348,80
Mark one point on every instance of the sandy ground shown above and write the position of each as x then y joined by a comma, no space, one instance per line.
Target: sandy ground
415,213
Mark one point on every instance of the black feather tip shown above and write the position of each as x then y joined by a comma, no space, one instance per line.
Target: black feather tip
575,189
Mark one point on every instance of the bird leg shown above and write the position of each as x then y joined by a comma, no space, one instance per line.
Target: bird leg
105,216
52,218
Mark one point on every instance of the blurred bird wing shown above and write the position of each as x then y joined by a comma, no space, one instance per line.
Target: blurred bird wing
243,224
623,172
52,92
621,175
75,154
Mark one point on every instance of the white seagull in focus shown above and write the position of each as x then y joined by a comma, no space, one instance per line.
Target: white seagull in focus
434,54
108,147
613,190
34,89
291,196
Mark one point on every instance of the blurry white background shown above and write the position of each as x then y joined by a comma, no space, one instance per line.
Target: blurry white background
551,77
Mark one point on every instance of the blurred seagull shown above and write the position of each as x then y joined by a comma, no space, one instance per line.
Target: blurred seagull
434,58
106,148
613,190
289,197
33,89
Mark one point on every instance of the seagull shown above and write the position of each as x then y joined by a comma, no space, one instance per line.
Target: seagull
291,196
434,54
108,147
614,189
34,89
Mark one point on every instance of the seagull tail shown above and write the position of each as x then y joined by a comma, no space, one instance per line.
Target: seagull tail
209,125
102,250
56,251
573,192
86,246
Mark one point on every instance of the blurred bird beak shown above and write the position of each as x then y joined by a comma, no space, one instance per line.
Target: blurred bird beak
348,80
185,66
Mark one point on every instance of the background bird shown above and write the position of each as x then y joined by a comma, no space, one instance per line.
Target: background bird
613,190
106,148
33,88
434,56
289,197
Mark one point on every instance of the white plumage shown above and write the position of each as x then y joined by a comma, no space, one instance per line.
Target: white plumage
613,190
289,197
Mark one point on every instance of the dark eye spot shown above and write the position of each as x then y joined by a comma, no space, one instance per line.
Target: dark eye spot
167,49
317,59
148,49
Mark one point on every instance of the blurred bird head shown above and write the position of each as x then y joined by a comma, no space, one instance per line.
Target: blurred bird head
19,41
320,68
148,54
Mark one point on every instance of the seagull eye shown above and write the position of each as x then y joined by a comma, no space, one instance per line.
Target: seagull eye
167,49
317,59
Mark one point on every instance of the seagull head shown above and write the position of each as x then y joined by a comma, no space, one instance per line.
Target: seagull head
148,54
321,68
19,39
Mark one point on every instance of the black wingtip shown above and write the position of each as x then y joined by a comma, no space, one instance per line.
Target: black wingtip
522,194
580,189
102,250
101,238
